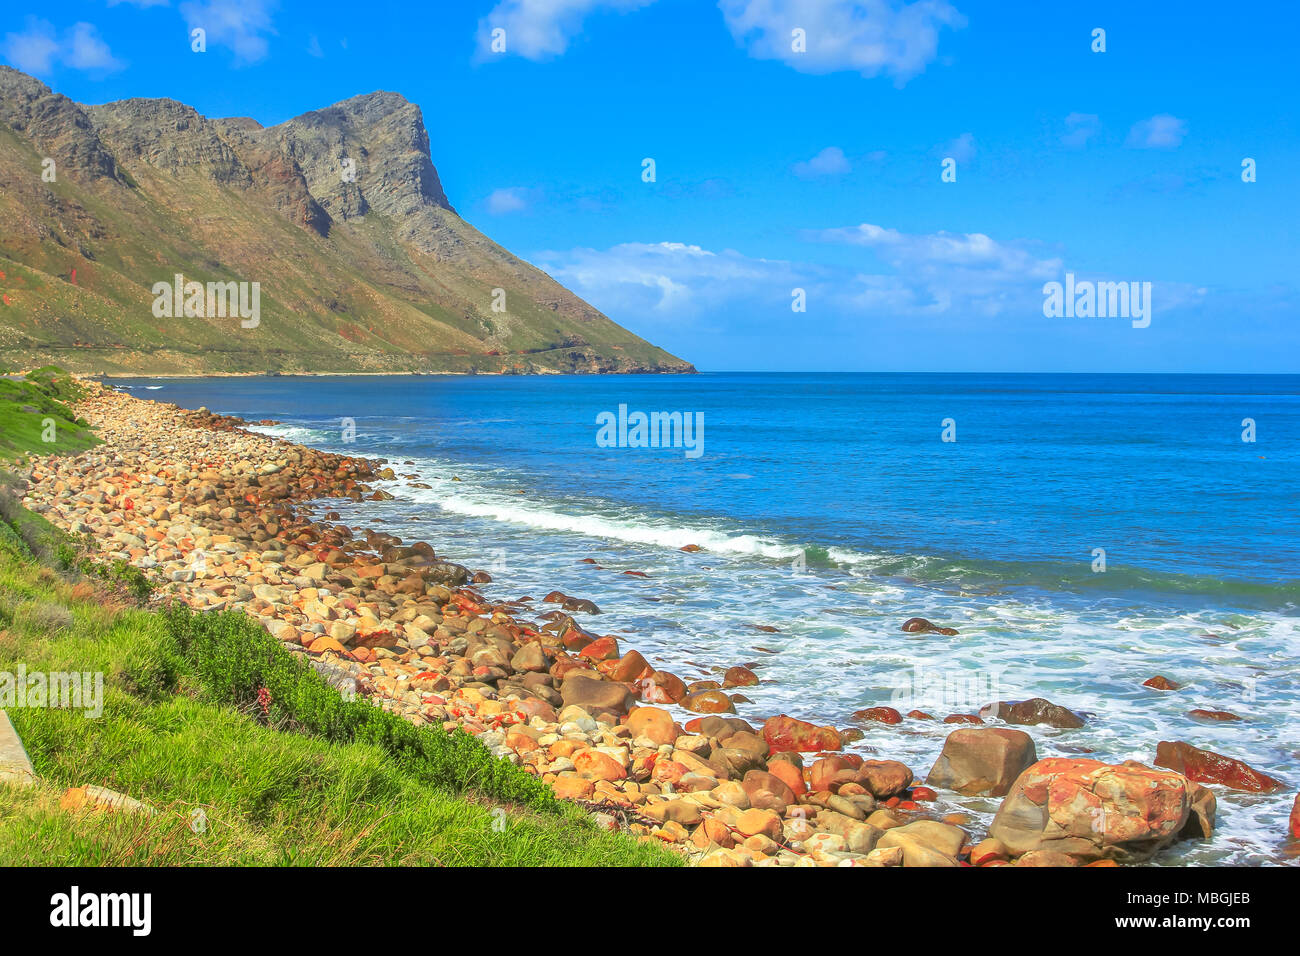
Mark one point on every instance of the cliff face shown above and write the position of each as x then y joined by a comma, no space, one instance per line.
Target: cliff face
338,214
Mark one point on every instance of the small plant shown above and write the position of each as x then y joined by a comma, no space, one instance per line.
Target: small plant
49,617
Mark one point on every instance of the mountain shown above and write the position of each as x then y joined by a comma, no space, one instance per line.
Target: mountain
338,215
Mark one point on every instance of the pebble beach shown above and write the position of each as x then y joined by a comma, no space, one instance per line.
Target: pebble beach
223,518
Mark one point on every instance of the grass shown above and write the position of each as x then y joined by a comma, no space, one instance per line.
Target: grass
34,418
311,780
246,754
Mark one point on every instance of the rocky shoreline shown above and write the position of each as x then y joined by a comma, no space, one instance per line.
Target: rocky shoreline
223,518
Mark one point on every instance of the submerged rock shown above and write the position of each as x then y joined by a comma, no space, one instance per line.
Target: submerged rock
1205,766
1037,710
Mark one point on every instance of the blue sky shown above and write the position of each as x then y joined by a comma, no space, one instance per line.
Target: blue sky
817,170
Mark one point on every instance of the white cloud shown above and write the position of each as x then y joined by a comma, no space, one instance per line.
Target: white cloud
510,199
541,29
39,50
1161,131
962,148
86,51
1079,128
870,37
940,250
829,162
241,25
34,50
667,281
919,275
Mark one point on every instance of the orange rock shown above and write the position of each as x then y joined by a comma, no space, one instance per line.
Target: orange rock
1161,683
884,715
595,765
1295,818
885,778
987,851
787,733
1216,715
323,644
566,748
962,719
631,666
830,773
708,702
568,786
789,774
1091,810
668,771
655,723
739,677
601,649
521,741
752,822
1205,766
662,687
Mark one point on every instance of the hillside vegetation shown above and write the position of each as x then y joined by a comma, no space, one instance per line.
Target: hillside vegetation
363,267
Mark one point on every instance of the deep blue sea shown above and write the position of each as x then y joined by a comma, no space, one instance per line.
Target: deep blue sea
830,507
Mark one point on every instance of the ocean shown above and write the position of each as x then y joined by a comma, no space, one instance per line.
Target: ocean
1081,532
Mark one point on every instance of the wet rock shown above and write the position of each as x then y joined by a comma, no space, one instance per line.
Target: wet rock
739,677
601,649
1035,711
708,702
1091,810
1216,716
883,715
982,761
630,667
661,687
919,625
1205,766
1200,821
1160,683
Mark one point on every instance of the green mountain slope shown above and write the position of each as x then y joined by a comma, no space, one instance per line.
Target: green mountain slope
367,274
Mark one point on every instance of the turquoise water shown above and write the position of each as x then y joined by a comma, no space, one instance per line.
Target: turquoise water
831,508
